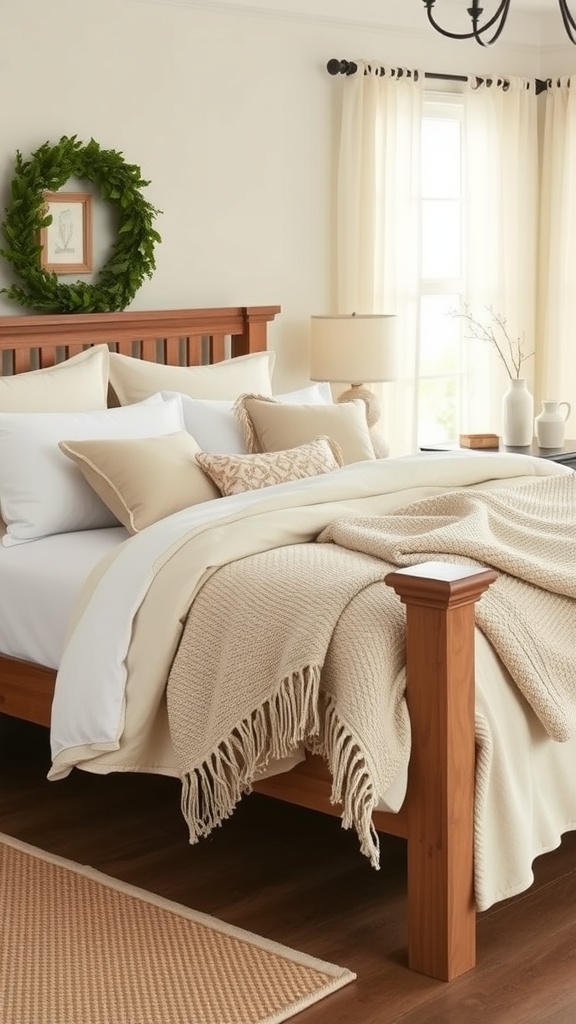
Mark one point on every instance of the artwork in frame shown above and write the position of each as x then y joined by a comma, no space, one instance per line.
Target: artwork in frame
67,241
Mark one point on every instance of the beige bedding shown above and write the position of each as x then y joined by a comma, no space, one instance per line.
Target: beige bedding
314,650
110,711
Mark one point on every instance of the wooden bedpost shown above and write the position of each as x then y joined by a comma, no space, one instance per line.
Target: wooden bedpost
440,601
254,337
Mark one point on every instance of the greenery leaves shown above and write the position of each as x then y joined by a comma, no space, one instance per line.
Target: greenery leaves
132,256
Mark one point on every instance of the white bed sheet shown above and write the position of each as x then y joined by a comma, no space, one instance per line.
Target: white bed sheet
39,585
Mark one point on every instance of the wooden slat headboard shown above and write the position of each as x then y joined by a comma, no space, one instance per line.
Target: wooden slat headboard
187,336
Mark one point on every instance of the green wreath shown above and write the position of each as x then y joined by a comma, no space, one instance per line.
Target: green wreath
132,256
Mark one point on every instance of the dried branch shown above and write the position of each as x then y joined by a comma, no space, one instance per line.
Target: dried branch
510,351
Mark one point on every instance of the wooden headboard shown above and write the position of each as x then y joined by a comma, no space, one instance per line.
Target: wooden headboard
178,336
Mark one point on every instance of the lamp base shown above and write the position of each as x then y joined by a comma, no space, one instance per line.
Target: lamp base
373,408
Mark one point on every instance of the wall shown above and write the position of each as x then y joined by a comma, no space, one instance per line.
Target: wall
230,113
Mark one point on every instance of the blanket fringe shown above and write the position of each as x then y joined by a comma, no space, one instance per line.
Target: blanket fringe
351,781
211,791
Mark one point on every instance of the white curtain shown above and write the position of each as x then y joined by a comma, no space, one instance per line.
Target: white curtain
500,169
556,361
378,228
378,218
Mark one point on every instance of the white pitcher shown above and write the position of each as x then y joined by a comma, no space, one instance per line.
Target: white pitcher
551,424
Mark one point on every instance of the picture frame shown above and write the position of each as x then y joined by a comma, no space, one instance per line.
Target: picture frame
67,241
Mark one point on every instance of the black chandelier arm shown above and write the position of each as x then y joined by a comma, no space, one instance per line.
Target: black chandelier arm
477,33
501,16
568,19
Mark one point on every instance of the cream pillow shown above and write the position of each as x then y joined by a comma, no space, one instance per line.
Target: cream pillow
213,424
145,479
79,384
271,426
134,379
234,474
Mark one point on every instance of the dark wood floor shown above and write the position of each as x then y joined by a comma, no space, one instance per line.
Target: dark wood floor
298,878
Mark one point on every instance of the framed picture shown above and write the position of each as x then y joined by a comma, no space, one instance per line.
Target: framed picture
67,241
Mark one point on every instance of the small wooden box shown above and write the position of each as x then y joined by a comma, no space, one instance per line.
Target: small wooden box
479,441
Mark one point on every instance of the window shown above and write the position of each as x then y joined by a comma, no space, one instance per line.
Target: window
441,363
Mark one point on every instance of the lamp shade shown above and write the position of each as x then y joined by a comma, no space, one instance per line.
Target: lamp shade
353,349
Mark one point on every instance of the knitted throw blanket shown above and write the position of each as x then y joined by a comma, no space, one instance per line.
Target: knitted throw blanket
529,613
305,644
286,647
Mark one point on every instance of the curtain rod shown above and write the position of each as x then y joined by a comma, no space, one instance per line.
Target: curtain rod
349,67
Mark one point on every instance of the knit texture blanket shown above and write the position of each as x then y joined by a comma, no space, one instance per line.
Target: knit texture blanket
529,614
305,635
305,644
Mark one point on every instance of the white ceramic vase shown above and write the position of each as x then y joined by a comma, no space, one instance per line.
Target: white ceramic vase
550,425
517,415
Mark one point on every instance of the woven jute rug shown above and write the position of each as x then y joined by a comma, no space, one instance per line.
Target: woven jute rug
79,947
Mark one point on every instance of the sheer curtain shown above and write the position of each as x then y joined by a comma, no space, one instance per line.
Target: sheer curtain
379,237
556,360
378,223
501,233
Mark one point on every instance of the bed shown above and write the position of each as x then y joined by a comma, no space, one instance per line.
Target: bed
436,817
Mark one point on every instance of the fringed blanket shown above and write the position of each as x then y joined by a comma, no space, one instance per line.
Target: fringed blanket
306,636
310,644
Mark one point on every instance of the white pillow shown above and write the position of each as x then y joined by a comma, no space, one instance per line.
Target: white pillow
135,379
78,384
312,394
215,428
41,491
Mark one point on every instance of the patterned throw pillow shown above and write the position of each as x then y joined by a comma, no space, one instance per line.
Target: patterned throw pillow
233,474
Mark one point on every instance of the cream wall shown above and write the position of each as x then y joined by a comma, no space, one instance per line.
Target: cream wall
229,112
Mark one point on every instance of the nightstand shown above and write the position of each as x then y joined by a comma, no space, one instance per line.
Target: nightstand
566,455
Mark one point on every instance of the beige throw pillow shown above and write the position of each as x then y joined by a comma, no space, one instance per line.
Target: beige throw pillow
142,480
79,384
234,474
270,426
134,379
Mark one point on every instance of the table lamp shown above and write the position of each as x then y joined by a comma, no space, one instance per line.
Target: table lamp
356,349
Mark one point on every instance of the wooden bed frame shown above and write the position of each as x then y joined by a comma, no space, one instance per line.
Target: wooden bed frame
437,816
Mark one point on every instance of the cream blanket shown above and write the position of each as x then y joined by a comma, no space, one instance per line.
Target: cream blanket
529,614
311,644
110,711
310,650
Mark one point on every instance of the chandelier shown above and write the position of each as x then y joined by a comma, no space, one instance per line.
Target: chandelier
489,31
